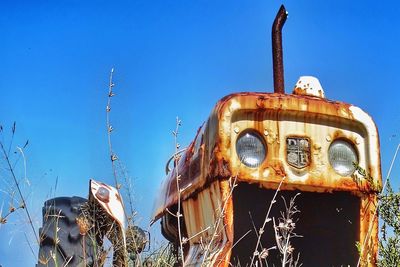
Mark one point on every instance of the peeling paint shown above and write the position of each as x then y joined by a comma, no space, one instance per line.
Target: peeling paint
275,117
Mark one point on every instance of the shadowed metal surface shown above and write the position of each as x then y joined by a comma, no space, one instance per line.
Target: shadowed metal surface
328,224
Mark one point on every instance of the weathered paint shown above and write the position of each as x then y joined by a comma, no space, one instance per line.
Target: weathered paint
113,204
277,51
308,85
209,211
275,117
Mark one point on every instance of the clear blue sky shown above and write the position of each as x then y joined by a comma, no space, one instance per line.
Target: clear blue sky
171,58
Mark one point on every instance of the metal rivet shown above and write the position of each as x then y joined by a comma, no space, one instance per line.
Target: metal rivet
236,130
357,141
328,138
317,146
266,133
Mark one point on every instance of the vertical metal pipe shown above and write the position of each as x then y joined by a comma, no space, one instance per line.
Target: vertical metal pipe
277,54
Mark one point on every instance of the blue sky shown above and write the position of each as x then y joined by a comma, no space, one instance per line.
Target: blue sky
171,58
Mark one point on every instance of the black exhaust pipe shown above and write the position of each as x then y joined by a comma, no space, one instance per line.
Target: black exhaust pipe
277,54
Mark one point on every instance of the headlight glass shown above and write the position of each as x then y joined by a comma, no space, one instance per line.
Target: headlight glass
342,155
251,149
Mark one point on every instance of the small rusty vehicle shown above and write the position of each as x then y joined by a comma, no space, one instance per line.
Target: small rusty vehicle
256,145
74,229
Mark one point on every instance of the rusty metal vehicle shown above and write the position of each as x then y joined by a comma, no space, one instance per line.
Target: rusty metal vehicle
75,228
256,145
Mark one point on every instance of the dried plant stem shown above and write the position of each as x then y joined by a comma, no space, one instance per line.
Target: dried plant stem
84,249
285,249
128,184
377,207
3,219
266,220
240,239
30,246
19,192
284,232
12,138
21,151
66,264
177,179
113,156
56,239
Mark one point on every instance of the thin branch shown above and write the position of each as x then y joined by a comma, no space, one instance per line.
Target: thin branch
243,236
23,156
197,234
12,138
114,158
29,244
177,179
266,220
19,191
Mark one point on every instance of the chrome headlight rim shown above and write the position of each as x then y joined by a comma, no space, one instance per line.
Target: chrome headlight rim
351,166
257,136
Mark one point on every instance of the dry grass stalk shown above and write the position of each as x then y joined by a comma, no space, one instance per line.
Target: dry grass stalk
6,154
267,219
177,176
164,256
115,167
284,232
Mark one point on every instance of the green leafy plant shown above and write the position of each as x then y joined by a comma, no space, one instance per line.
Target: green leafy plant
389,244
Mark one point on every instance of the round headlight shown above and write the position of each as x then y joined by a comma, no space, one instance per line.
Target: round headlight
250,149
342,157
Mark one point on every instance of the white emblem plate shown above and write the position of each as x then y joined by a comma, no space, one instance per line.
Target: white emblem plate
298,152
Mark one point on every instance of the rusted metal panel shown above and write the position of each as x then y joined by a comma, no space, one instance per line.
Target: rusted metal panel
296,132
277,51
318,120
277,117
369,222
211,160
208,219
